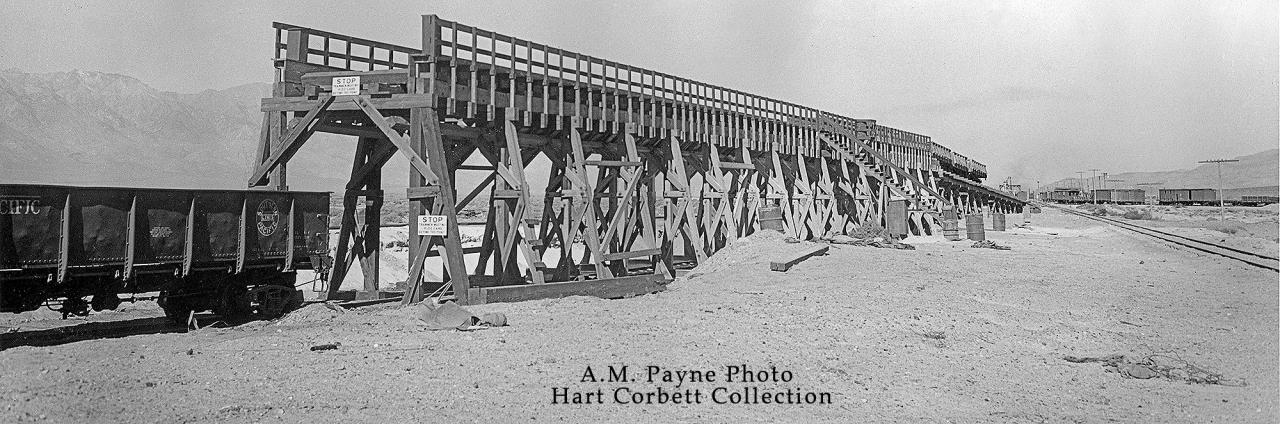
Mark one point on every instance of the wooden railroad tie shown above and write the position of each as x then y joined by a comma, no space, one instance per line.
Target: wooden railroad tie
796,258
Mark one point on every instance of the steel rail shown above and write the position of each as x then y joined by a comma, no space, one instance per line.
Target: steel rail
1177,239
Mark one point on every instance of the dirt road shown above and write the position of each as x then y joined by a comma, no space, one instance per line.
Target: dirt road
943,333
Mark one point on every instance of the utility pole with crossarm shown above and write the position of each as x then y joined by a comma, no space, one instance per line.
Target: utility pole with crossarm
1222,210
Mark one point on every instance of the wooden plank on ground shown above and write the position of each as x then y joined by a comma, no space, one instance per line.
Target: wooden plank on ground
789,261
608,288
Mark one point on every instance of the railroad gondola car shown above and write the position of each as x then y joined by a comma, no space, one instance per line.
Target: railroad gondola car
1257,200
234,252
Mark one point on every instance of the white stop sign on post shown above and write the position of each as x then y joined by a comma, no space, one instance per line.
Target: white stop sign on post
432,225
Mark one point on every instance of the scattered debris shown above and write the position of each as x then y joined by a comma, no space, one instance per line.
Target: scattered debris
988,244
326,346
936,335
879,242
791,240
447,316
1156,365
493,319
450,316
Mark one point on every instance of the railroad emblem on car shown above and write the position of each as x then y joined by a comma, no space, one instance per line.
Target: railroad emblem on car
20,205
268,217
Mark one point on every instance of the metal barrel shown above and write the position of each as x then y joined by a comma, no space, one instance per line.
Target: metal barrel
997,222
973,223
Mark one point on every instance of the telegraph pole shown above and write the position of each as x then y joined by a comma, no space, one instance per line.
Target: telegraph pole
1222,210
1080,180
1093,183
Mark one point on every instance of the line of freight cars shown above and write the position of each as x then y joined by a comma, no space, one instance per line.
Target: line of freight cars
1167,196
1112,196
1208,196
231,251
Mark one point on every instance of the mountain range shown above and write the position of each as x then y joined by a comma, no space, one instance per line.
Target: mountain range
103,129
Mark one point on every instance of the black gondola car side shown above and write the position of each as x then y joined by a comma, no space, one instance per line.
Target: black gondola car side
200,248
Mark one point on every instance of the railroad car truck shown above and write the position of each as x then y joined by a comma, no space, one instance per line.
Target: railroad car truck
231,251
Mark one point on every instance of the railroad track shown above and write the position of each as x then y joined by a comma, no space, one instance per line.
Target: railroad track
1256,259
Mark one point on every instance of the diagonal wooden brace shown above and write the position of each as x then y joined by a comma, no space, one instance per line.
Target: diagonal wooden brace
291,142
401,142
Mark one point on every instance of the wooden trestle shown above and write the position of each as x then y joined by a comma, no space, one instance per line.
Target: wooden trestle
649,171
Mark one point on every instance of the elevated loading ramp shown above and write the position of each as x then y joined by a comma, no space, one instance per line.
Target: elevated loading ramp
650,172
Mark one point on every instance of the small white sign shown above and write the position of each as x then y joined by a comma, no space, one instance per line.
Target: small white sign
432,225
346,86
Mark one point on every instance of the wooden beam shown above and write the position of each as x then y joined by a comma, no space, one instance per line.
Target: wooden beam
627,255
613,163
420,193
735,165
290,142
785,263
610,288
383,152
399,140
298,104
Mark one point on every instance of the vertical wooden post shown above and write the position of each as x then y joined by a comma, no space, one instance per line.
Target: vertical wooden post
372,231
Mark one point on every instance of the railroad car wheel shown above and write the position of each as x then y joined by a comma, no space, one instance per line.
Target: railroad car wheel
105,298
175,307
233,304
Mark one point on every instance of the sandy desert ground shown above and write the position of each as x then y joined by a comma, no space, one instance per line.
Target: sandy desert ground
943,333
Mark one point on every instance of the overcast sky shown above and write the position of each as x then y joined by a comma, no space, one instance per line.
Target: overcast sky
1036,90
